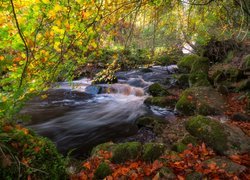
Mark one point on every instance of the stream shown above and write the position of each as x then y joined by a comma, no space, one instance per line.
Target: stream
78,115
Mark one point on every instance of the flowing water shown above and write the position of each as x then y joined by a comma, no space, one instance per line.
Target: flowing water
80,116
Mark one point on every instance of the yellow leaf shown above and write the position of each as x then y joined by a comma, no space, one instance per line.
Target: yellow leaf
1,58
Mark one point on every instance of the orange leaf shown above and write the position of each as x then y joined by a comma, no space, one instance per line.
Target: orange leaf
87,165
83,176
156,165
180,177
134,165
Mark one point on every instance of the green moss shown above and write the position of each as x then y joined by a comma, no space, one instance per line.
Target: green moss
160,101
166,173
200,65
198,79
126,151
39,154
185,105
179,147
189,140
102,171
182,80
152,151
157,90
205,109
109,146
209,131
185,64
244,85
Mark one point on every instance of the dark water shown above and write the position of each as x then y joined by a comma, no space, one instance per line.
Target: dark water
74,119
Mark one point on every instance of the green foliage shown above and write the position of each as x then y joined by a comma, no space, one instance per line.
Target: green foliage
201,64
107,75
24,154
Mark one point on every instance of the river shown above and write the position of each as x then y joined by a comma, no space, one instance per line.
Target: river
79,116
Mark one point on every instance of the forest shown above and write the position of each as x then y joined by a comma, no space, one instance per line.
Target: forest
124,89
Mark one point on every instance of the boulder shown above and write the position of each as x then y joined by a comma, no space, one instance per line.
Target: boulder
198,79
126,151
152,151
92,89
154,123
157,90
226,164
200,100
185,64
165,101
224,139
182,80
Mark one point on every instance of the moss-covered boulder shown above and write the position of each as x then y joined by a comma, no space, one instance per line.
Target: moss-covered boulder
182,80
102,171
155,123
225,164
126,151
166,173
222,138
185,63
152,151
157,90
163,101
200,65
26,155
200,100
109,146
198,79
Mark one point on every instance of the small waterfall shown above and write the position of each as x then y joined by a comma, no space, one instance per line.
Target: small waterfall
124,89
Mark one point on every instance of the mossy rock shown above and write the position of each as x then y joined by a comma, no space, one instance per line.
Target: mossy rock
126,151
165,101
185,106
182,80
200,100
102,171
166,173
179,147
209,131
149,121
37,154
109,146
189,139
152,151
185,64
198,79
201,65
157,90
227,165
223,138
